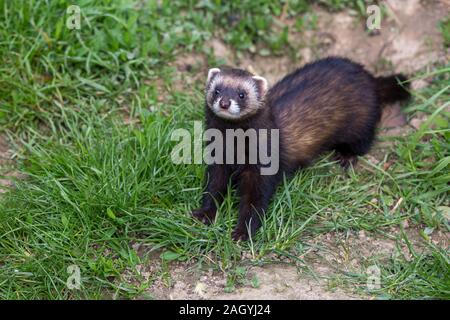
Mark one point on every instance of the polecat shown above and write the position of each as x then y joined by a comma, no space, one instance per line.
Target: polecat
330,104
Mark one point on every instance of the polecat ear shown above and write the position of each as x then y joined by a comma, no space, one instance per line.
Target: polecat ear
262,84
211,73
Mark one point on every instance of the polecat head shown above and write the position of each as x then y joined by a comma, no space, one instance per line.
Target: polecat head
235,94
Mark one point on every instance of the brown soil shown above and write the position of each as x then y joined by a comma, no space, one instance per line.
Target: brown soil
329,255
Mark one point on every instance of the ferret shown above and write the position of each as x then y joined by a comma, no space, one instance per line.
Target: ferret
332,104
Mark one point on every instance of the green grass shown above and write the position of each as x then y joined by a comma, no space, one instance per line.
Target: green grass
424,276
94,185
444,27
100,185
121,43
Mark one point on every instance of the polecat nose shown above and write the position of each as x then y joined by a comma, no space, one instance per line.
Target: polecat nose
225,103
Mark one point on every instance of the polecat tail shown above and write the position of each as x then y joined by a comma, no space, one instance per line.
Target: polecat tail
393,88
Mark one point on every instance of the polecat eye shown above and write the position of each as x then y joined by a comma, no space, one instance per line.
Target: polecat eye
216,92
242,95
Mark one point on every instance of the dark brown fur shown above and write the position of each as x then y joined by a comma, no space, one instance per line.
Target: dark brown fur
331,104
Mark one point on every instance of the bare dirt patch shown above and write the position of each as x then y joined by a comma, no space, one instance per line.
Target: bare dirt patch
330,254
274,281
7,171
408,41
349,251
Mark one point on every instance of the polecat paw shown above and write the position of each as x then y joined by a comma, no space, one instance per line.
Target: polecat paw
238,234
205,216
346,160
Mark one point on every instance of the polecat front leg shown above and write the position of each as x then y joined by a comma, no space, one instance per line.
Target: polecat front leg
217,178
256,191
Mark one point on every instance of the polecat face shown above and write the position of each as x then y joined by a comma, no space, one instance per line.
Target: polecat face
234,94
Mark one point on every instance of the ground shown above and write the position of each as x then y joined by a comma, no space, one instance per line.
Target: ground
99,193
328,256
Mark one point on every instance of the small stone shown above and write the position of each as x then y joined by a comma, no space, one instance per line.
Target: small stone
179,285
200,289
362,235
418,84
221,282
405,224
416,123
372,159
